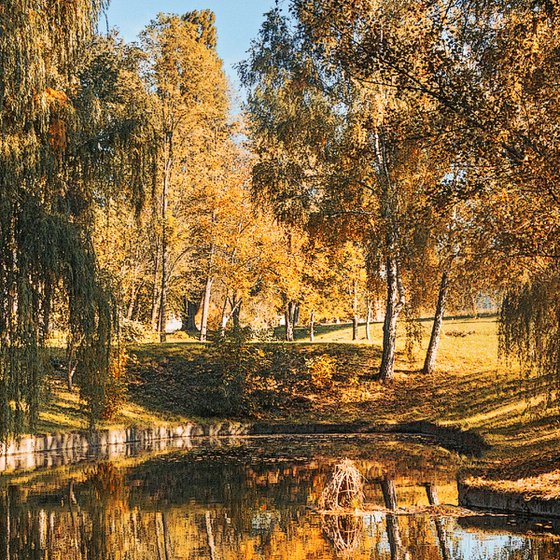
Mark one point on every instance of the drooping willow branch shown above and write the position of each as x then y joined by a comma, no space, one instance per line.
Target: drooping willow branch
51,177
530,325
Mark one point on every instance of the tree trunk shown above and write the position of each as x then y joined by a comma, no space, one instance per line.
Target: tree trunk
205,309
433,500
163,300
155,291
312,326
225,317
162,321
70,365
395,291
393,533
296,315
431,355
236,314
389,494
431,492
164,252
474,307
355,318
289,321
133,300
368,320
166,537
210,535
188,316
394,537
395,304
71,370
235,304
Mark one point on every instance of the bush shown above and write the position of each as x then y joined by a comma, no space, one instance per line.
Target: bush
233,364
242,378
321,370
132,331
184,336
278,376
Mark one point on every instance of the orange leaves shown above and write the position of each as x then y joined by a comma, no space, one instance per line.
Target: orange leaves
54,95
56,101
53,98
58,137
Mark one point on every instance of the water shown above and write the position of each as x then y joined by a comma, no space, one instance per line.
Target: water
256,498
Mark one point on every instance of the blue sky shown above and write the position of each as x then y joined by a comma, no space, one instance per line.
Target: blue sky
238,21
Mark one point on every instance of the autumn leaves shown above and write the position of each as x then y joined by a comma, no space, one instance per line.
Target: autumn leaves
433,151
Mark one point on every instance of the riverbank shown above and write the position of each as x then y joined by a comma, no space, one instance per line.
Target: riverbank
41,451
46,451
335,382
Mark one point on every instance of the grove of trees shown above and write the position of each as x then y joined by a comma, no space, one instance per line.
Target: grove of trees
425,131
393,161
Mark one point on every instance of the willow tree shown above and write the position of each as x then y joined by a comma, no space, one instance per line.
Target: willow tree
56,156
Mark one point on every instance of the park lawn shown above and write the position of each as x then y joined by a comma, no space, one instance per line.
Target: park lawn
471,389
63,412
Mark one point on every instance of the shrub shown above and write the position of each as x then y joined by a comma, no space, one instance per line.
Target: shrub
321,370
184,336
243,378
132,331
233,364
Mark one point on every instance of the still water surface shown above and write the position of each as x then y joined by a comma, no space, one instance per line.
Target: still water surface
256,498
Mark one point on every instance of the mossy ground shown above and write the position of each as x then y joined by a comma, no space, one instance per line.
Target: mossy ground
471,389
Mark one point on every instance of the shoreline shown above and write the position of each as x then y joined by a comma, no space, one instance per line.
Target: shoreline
44,451
511,502
84,442
49,451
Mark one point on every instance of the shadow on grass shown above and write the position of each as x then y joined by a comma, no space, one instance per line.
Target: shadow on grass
187,380
465,442
61,410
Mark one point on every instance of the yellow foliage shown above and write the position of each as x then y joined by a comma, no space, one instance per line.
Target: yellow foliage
322,369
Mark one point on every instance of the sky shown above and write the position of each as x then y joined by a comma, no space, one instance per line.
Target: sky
238,22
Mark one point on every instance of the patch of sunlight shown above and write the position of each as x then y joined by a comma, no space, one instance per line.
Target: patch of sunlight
56,421
483,418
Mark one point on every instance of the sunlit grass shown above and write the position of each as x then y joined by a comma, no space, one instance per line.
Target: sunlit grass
63,411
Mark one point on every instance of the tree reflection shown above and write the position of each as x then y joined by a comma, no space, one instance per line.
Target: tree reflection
226,508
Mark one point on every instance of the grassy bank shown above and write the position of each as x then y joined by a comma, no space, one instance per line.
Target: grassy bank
334,380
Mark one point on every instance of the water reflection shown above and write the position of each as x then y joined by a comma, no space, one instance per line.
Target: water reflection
255,499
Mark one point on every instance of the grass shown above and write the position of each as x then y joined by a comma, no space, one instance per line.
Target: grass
471,389
63,411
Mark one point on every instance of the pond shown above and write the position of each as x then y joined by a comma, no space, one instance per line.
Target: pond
257,498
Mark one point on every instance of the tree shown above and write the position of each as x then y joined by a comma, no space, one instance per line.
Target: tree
58,156
244,251
489,70
338,155
190,107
